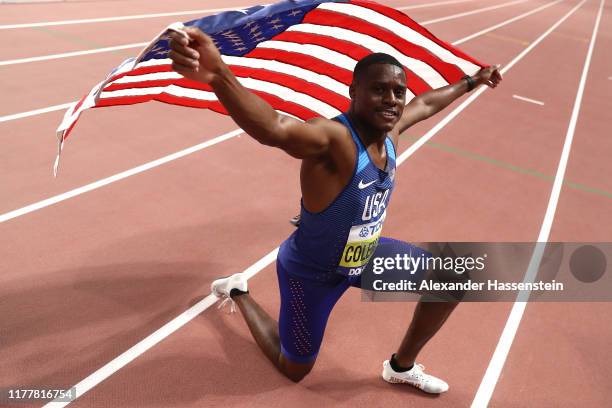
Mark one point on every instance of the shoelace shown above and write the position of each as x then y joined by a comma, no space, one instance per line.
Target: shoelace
227,300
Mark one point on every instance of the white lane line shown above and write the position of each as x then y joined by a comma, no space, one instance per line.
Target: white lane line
509,21
72,54
489,381
103,373
440,3
142,44
61,197
177,13
120,18
522,98
425,138
34,112
469,13
166,330
119,176
470,37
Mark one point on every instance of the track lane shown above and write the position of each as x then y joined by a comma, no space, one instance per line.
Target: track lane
72,10
564,345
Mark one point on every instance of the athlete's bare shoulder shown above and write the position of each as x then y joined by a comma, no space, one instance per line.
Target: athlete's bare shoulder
335,130
341,146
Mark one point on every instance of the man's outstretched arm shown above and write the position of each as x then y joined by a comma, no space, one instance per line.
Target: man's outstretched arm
432,102
195,56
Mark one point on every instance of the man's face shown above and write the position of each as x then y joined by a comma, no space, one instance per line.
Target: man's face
379,95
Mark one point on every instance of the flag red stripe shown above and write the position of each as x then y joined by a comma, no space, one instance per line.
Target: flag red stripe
415,83
142,71
297,84
355,51
276,102
304,61
184,82
449,72
407,21
314,90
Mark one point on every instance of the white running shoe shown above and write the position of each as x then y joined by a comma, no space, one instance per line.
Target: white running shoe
221,288
415,377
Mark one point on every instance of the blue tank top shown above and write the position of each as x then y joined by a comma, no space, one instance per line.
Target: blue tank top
342,238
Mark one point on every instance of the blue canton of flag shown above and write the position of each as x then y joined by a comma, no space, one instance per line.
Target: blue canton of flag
238,32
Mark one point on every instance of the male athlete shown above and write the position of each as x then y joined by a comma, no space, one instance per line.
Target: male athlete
347,176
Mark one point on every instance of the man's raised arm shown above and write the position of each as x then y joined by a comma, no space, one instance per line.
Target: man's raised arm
432,102
195,56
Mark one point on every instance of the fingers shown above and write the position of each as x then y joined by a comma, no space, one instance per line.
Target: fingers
492,77
178,37
184,51
181,59
180,44
184,58
195,34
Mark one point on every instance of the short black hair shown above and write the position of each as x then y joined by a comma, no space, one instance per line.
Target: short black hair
375,58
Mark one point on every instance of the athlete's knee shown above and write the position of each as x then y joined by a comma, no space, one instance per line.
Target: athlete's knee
297,376
294,371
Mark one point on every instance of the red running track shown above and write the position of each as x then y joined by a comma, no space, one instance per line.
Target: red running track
85,279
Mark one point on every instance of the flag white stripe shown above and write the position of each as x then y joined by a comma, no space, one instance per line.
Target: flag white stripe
273,66
156,90
72,114
316,51
423,70
319,52
280,91
298,72
153,63
289,94
403,31
155,76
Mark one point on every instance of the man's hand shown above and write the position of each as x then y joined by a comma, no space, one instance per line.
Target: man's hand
489,76
194,55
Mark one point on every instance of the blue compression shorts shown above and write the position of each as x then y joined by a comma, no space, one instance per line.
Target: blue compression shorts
306,305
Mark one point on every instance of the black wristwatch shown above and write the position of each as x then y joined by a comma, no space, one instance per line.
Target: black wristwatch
470,82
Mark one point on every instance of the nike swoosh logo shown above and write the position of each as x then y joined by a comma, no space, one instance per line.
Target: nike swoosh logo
362,186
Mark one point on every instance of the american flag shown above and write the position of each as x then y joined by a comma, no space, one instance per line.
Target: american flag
298,55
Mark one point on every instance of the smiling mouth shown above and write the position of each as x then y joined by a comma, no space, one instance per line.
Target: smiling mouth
388,114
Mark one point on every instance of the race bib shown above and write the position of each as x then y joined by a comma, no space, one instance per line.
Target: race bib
360,246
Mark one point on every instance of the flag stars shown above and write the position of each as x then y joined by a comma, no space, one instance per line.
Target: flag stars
254,29
295,13
258,37
160,51
277,27
230,35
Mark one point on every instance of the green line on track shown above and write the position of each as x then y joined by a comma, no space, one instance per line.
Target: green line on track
508,166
